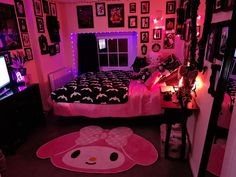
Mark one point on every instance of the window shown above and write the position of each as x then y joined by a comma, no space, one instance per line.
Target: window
116,51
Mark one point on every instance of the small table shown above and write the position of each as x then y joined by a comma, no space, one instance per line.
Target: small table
174,113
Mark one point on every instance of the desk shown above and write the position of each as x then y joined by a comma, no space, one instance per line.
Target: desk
173,113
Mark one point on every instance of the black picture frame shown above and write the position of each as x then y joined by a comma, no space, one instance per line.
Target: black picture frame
25,39
20,10
217,6
144,37
57,45
169,41
28,53
223,38
53,8
144,49
132,7
156,47
85,16
145,7
52,50
132,22
145,21
157,34
212,43
100,9
170,7
46,7
43,43
7,57
22,24
115,15
40,25
170,23
9,23
38,11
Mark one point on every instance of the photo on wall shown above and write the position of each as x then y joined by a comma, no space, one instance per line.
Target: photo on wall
9,32
20,10
169,41
116,15
85,16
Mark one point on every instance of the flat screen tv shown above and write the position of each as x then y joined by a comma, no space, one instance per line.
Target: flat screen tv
4,75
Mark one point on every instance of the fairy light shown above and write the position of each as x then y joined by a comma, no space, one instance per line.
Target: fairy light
74,68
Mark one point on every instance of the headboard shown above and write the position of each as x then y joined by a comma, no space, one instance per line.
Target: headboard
60,77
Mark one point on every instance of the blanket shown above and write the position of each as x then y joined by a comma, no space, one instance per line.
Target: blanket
106,87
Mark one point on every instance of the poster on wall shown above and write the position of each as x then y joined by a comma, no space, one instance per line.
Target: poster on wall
85,16
9,33
116,15
169,41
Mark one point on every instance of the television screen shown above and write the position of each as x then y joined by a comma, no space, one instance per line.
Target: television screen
4,76
9,33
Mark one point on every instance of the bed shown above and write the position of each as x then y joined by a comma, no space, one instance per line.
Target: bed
141,99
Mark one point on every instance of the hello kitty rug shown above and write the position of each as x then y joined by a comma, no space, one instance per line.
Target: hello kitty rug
97,150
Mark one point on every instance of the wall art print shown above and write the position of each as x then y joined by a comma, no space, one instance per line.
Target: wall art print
38,10
116,15
169,41
85,16
20,10
100,9
9,33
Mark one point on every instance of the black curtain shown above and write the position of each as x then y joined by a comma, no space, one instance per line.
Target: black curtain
87,53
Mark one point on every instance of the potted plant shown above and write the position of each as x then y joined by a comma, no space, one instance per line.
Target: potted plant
18,62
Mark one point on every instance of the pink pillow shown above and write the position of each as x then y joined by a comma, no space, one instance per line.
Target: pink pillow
153,79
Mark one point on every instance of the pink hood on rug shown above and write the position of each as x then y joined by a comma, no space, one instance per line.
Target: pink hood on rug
95,150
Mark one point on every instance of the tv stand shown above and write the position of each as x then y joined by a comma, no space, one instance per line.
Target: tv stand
21,112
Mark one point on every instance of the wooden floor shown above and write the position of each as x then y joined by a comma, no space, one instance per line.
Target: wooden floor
24,162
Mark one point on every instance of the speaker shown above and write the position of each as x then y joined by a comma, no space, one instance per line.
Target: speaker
180,16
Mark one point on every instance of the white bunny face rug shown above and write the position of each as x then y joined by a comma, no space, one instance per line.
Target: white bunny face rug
97,150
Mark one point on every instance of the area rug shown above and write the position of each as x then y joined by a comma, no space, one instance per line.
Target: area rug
97,150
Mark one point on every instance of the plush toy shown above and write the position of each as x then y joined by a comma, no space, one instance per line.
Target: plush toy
97,150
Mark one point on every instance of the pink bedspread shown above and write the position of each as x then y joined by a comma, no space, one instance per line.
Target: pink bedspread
141,102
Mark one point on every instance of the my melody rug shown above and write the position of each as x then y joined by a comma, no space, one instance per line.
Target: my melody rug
97,150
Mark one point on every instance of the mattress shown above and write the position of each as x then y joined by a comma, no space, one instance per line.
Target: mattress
141,102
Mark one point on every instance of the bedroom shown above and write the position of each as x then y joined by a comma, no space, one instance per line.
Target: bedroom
64,53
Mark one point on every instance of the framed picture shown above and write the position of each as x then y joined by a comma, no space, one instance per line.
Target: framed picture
57,45
20,10
169,41
145,7
157,34
132,20
40,25
223,39
43,43
45,7
144,22
132,8
52,50
144,37
85,16
170,23
53,9
28,53
25,39
22,25
38,8
217,5
212,43
170,7
100,9
144,49
8,24
156,47
116,15
7,57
